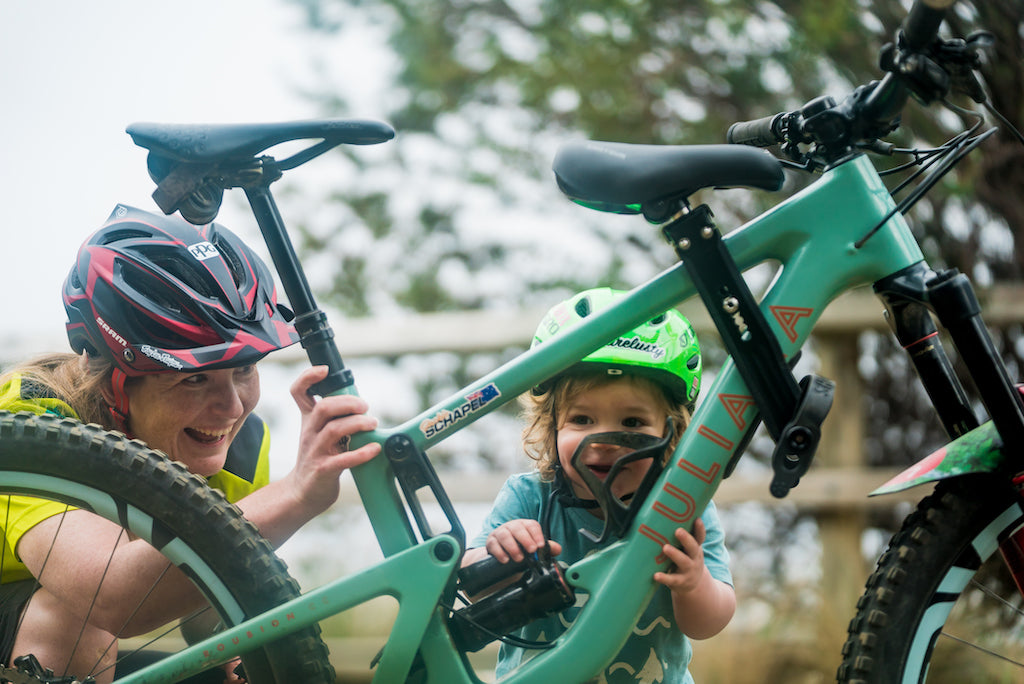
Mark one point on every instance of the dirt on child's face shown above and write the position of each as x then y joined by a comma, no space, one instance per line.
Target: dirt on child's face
619,406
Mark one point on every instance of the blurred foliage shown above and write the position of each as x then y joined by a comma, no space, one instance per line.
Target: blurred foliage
671,73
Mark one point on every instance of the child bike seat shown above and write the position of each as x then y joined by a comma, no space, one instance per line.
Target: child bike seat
623,178
211,143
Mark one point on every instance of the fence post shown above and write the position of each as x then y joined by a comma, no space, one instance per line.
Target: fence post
842,440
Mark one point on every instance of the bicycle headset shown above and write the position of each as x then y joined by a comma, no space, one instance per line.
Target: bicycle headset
154,293
664,350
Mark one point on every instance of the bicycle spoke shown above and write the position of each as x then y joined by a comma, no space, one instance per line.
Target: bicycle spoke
996,597
982,649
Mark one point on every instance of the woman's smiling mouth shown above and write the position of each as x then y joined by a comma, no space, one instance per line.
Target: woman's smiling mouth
207,437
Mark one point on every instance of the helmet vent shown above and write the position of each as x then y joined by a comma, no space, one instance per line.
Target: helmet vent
140,281
231,258
583,307
124,234
188,273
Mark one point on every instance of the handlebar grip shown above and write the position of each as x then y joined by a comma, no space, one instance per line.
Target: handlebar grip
923,21
759,132
487,572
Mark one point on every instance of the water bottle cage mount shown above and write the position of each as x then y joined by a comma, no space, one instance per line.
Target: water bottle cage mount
618,514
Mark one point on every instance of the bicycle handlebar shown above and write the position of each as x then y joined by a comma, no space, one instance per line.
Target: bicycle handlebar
763,132
921,25
872,110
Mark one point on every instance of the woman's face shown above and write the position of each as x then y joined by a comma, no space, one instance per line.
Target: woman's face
624,405
193,417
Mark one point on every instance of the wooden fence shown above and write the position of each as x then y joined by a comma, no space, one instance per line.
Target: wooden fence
834,490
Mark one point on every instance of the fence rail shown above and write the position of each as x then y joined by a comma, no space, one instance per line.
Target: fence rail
477,331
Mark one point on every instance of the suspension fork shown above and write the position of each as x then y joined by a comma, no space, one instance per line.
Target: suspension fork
909,296
905,295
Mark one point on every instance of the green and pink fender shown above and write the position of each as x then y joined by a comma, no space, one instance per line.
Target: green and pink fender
978,451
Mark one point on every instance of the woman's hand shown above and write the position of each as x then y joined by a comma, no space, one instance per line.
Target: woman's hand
282,507
327,424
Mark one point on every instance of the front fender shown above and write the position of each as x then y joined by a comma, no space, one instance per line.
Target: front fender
978,451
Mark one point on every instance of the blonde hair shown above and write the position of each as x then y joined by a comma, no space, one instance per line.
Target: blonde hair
541,413
76,380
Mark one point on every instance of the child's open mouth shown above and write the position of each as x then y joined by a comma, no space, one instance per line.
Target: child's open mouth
600,471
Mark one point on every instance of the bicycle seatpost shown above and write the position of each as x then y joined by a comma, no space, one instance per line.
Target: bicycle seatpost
315,333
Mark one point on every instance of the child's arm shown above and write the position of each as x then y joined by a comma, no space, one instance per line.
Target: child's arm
703,606
511,541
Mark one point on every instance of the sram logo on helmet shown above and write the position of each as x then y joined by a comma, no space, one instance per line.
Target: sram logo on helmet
203,250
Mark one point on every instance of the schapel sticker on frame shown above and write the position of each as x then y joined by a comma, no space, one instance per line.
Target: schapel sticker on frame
446,419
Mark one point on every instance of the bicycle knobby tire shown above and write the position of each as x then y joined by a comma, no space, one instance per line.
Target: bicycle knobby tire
94,465
937,558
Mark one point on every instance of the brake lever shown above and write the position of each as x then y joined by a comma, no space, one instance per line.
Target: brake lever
947,65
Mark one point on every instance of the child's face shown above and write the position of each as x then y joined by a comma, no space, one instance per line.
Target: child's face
624,405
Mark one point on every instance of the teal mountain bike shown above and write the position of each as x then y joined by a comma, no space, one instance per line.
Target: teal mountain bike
968,532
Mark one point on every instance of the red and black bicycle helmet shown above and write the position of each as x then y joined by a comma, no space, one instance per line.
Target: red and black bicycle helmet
153,293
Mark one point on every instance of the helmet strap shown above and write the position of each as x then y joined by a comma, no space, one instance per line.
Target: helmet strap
565,494
119,408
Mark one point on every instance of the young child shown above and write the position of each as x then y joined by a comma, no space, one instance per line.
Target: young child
633,384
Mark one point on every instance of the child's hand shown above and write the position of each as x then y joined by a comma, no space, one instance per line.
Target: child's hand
687,571
516,538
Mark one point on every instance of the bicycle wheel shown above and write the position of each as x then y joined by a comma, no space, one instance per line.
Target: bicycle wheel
153,498
942,605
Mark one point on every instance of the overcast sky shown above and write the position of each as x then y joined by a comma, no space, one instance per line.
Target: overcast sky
76,74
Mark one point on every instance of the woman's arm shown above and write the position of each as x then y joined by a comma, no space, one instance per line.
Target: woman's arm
282,507
97,573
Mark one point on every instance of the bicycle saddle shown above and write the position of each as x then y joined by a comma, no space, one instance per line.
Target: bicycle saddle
211,143
621,177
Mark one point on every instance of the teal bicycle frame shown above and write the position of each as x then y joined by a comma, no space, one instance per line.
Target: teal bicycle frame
818,262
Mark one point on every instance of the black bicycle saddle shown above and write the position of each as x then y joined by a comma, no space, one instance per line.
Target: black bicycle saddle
211,143
622,177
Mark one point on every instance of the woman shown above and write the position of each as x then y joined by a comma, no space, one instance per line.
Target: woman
167,321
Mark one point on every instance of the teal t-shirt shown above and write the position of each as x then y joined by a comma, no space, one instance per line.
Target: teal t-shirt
656,651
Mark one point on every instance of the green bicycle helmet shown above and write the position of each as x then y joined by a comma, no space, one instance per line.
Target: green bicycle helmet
664,349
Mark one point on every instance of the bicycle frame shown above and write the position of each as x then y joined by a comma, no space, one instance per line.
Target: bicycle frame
818,262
